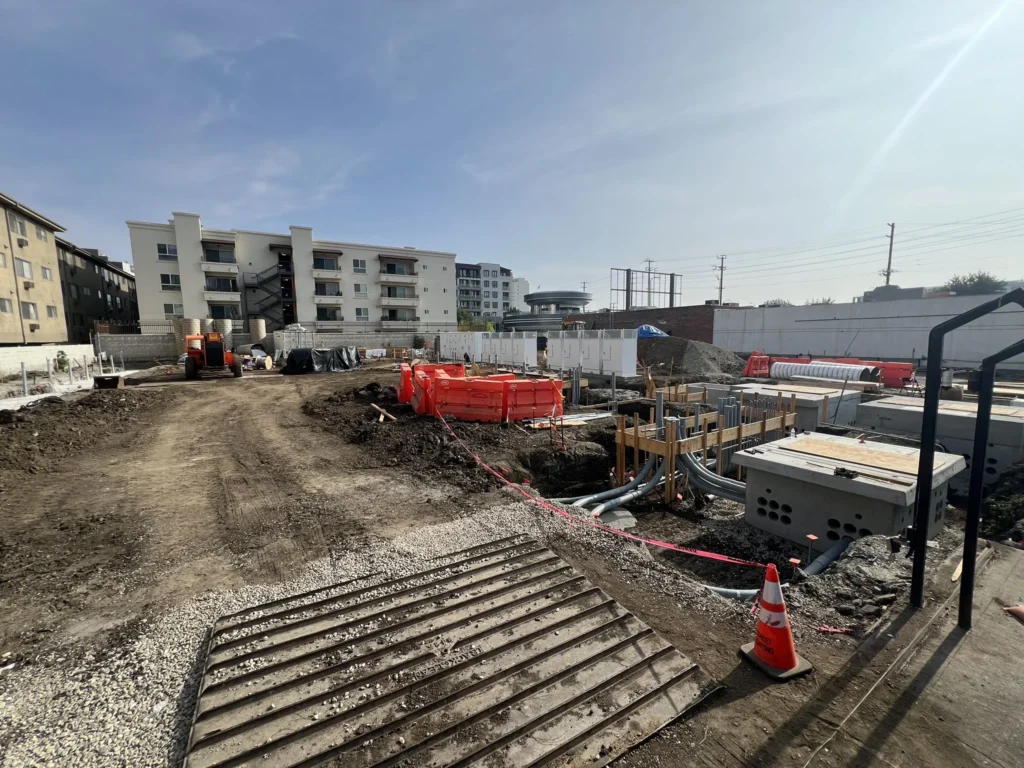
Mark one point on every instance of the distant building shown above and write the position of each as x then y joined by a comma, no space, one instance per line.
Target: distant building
124,266
94,291
517,298
894,292
488,290
31,307
547,310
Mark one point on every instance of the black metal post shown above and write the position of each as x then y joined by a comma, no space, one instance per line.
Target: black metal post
978,464
922,510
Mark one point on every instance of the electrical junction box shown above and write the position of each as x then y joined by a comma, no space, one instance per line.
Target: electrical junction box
810,403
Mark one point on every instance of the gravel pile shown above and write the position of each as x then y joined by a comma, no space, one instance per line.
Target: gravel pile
694,360
132,706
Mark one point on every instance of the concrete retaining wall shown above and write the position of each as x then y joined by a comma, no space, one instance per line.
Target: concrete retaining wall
878,330
34,357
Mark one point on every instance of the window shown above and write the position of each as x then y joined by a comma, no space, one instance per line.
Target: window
487,304
228,284
23,268
445,269
504,285
110,301
446,311
41,233
219,256
74,292
86,290
327,289
173,310
359,266
47,273
6,305
17,225
332,314
79,262
323,262
95,268
76,319
362,313
28,311
360,290
3,260
167,283
425,290
51,311
224,312
424,266
117,301
165,252
426,311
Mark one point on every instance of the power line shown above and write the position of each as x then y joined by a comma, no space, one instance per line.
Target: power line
887,272
721,277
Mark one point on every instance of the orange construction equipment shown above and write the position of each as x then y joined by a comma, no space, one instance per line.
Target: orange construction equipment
405,384
445,390
206,353
773,650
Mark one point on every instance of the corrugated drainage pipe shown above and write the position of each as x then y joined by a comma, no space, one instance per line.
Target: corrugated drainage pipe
711,483
612,493
637,494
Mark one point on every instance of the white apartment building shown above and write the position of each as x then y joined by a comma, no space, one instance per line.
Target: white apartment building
489,290
184,269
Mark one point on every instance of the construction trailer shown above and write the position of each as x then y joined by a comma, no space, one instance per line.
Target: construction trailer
954,431
835,487
603,352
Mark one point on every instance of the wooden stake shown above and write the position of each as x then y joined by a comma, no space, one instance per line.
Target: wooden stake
704,442
705,393
671,366
824,409
620,453
778,404
764,428
382,413
718,459
651,421
636,445
792,404
670,461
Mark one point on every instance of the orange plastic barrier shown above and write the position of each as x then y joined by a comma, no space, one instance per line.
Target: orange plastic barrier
532,398
476,399
455,370
405,384
422,393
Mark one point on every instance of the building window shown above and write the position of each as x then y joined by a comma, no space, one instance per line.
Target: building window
487,305
47,273
87,291
117,302
425,289
446,311
172,311
224,312
327,289
74,292
426,311
324,262
23,268
167,283
359,266
110,301
95,268
6,305
424,266
165,252
362,313
227,284
360,290
41,233
17,225
332,314
28,311
3,260
445,269
219,256
51,311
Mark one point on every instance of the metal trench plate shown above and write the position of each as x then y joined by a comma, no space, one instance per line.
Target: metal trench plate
505,657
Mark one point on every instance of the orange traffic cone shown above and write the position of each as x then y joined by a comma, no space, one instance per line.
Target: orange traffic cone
773,650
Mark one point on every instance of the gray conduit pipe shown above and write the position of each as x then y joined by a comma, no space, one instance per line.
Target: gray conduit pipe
711,483
637,494
611,494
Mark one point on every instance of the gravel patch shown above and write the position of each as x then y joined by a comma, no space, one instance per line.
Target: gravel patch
132,705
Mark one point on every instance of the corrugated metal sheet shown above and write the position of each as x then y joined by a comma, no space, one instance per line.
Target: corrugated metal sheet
502,655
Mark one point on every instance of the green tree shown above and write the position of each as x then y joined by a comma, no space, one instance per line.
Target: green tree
818,302
975,284
777,303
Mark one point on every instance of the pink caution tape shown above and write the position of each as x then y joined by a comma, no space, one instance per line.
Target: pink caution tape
572,520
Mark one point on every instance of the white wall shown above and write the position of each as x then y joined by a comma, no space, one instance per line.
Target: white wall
34,357
144,239
884,330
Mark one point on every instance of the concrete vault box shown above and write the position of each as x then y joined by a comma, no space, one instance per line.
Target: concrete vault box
810,402
793,489
954,430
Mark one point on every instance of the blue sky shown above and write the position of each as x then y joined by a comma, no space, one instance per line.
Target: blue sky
559,138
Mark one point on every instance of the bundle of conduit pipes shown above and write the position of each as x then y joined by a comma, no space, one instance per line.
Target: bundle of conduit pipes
652,475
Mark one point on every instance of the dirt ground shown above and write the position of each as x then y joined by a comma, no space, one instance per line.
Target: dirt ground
173,488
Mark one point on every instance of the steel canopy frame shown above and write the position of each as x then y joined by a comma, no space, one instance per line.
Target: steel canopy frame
928,419
974,494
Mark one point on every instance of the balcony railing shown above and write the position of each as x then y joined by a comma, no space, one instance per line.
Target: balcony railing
409,273
386,319
220,259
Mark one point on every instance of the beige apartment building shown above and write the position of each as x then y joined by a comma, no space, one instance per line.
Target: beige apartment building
31,303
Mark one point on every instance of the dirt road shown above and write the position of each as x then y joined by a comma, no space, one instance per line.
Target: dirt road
223,483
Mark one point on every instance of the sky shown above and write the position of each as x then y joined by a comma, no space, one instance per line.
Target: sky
560,139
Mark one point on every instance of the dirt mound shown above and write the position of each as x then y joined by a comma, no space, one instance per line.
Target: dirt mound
427,448
689,358
1003,513
34,438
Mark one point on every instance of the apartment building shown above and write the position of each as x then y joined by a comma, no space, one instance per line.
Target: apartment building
185,269
94,291
31,305
517,295
486,290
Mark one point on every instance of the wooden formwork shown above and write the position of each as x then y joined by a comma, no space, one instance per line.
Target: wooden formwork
644,438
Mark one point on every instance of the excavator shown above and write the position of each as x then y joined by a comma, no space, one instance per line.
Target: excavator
206,353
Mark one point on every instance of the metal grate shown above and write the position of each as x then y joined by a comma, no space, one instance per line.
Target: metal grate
504,656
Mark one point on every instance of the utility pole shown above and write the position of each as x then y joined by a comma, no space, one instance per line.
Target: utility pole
888,267
649,263
720,269
584,284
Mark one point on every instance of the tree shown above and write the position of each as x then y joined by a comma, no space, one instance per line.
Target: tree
777,303
819,302
975,284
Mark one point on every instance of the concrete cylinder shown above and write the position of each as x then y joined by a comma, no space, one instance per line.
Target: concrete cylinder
179,339
226,329
207,325
257,328
190,326
837,371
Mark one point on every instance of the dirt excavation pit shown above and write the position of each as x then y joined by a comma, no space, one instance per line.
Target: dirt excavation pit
689,360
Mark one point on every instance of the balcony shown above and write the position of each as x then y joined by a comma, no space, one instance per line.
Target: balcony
218,267
327,274
409,322
327,325
230,297
393,278
399,301
327,300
